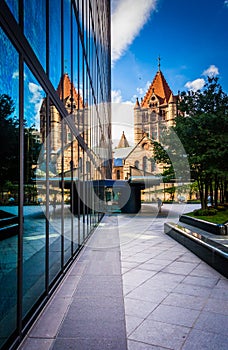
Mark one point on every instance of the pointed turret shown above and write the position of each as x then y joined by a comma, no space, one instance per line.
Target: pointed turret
137,105
67,89
160,88
123,142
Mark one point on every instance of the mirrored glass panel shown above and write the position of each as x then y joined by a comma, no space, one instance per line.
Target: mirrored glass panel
9,186
34,210
13,5
35,27
55,42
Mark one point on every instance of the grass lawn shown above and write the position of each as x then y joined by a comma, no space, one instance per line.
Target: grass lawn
220,218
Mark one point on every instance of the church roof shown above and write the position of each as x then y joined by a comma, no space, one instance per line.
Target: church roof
123,142
122,153
160,88
66,89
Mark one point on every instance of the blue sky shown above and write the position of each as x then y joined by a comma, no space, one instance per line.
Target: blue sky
191,37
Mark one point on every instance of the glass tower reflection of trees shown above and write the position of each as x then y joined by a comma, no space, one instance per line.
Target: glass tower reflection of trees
54,141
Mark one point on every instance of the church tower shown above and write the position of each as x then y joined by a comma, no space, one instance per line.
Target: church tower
156,109
60,132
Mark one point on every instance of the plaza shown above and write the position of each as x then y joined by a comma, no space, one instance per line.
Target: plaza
133,287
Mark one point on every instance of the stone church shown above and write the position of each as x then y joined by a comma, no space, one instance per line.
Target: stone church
156,110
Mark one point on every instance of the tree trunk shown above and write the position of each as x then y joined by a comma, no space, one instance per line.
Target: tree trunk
216,190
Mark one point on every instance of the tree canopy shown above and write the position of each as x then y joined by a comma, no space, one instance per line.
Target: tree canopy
202,127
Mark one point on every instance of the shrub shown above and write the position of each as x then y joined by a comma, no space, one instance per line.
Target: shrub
221,208
205,212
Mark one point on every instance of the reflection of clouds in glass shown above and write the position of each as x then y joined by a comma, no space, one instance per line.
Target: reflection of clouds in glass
36,98
16,75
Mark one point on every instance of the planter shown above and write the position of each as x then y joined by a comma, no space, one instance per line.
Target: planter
216,229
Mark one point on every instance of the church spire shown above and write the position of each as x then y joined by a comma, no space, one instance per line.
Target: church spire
159,63
123,142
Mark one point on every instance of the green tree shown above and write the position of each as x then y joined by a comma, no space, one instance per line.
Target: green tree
9,136
202,126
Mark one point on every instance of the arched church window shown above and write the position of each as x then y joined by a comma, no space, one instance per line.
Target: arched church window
88,166
118,174
153,115
153,165
137,164
144,164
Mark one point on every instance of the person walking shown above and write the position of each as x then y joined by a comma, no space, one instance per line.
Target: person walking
159,204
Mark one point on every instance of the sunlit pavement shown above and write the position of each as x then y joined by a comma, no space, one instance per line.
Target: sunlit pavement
135,288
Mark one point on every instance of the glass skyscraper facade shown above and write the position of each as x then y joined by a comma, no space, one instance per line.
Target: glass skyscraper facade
55,143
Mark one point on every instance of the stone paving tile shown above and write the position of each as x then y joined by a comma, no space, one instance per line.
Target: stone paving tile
219,293
132,322
169,255
205,270
180,267
135,345
129,264
136,277
37,344
189,257
160,334
222,283
127,289
213,322
152,295
48,324
217,305
174,315
90,286
185,301
138,308
202,340
201,281
164,281
193,290
89,344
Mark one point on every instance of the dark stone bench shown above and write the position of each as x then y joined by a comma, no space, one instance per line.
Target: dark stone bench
8,226
215,254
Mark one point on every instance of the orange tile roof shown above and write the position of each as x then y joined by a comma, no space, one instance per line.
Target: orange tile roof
66,88
160,88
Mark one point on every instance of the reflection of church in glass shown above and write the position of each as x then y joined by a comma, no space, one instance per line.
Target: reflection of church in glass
64,147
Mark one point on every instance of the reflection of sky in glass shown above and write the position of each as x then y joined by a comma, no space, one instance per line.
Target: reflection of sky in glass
55,42
67,38
35,27
13,5
33,98
9,73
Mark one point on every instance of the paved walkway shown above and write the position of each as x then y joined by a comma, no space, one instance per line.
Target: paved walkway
135,288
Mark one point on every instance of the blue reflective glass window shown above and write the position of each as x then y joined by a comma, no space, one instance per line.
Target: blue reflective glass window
9,186
55,42
13,5
34,208
35,27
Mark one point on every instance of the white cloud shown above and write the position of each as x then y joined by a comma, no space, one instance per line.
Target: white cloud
212,71
226,3
195,84
199,83
122,120
116,96
36,98
142,91
128,18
